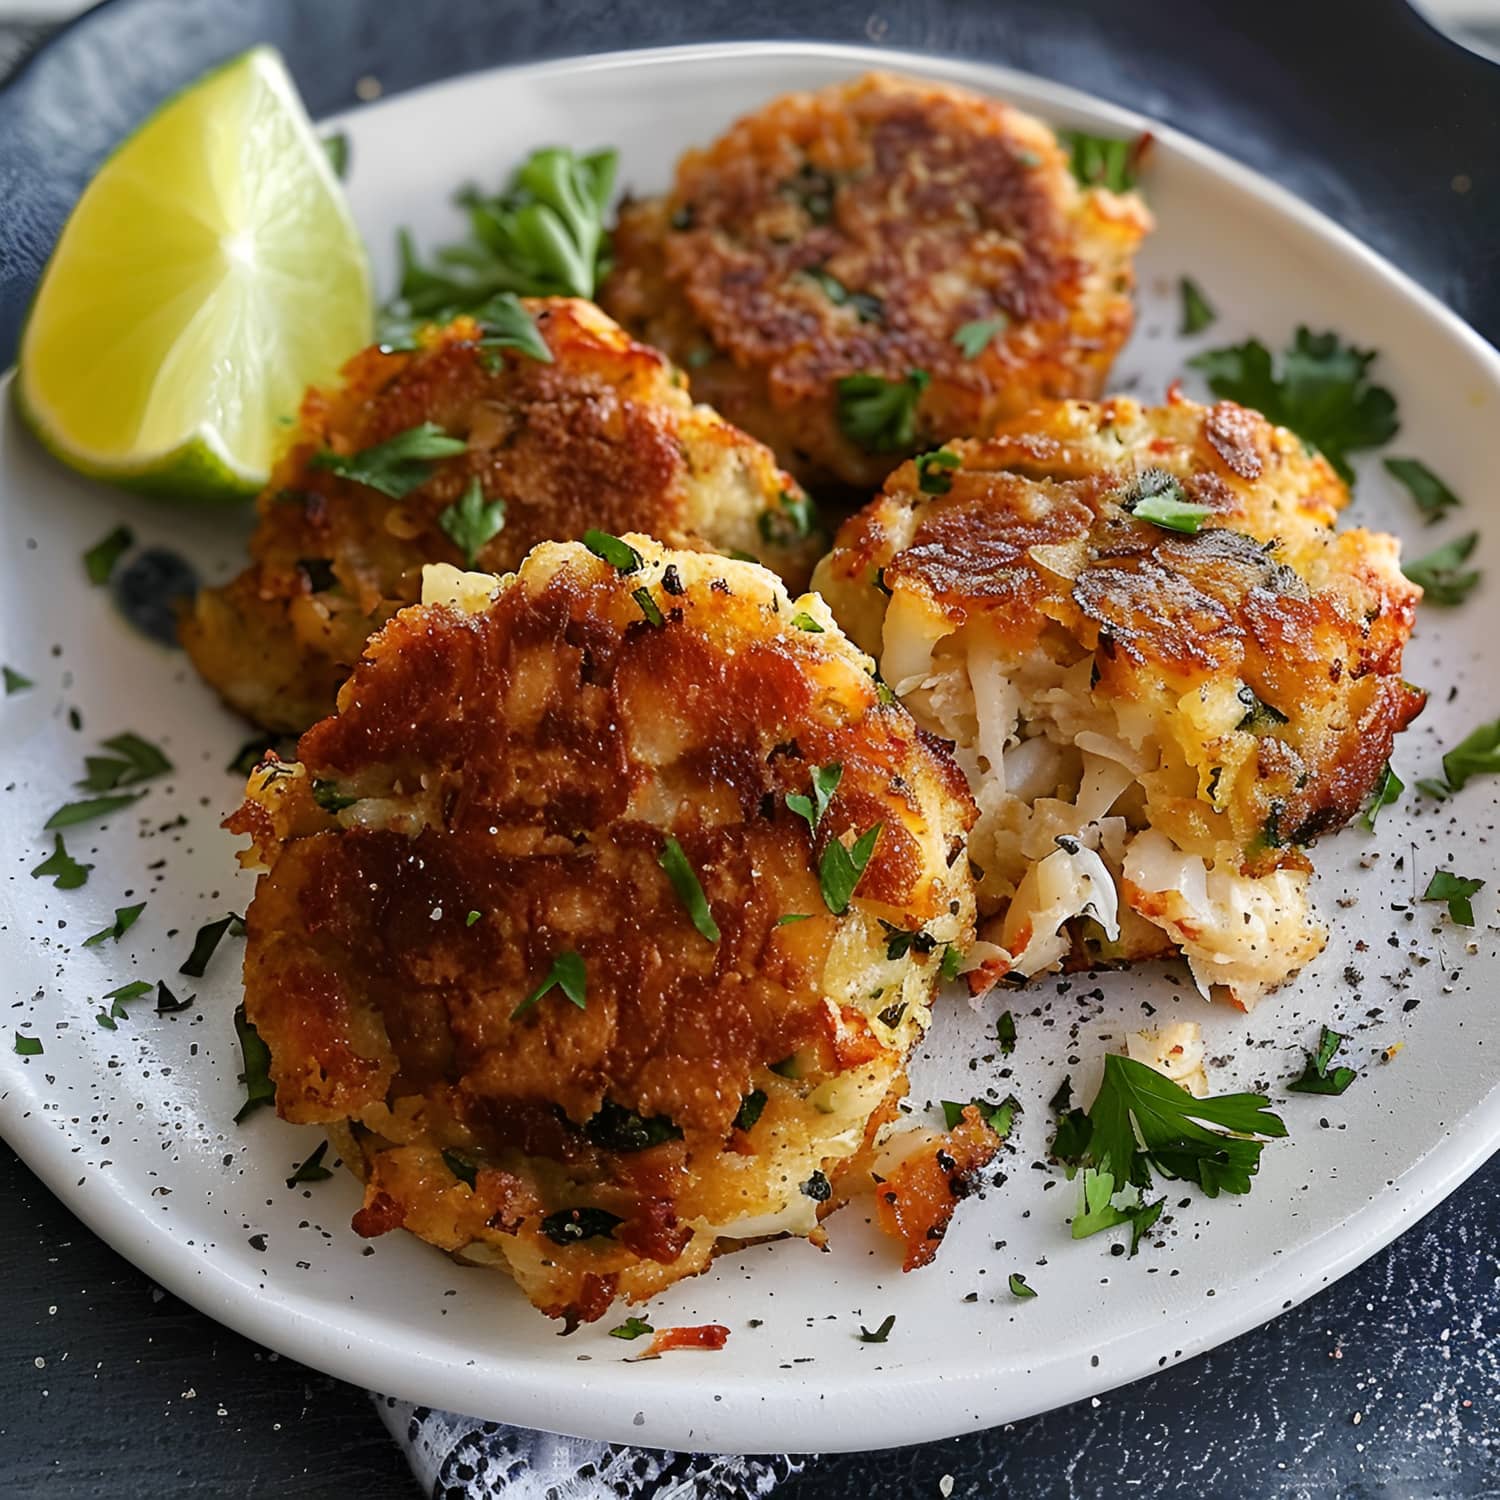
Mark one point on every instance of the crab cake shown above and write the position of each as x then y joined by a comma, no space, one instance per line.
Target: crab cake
603,915
1165,671
466,452
856,274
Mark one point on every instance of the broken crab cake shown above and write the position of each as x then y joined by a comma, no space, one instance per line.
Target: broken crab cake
599,921
858,273
464,448
1165,673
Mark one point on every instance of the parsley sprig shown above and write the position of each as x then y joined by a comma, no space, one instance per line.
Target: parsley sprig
689,888
1104,161
841,867
398,465
1440,574
880,415
66,872
1456,890
567,974
472,521
260,1088
1477,754
825,782
1386,792
974,337
1434,499
1197,310
1316,1076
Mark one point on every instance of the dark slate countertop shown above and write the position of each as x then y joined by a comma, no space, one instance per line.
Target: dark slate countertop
1387,1385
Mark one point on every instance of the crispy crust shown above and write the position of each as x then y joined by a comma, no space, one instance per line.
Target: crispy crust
604,436
523,757
943,206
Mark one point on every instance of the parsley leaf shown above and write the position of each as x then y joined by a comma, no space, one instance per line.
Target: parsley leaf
210,935
134,760
1315,1077
804,621
1005,1031
567,974
470,521
1439,574
1477,754
99,561
398,465
15,682
312,1169
974,338
1103,161
649,607
1455,890
1156,496
842,865
461,1167
615,1128
933,471
125,918
570,1225
621,556
999,1117
632,1328
472,918
336,149
28,1046
1141,1121
1432,787
792,520
793,916
1018,1286
1387,791
689,890
1434,498
952,958
1197,311
542,236
881,1334
869,307
259,1089
166,1002
328,796
825,782
752,1106
67,874
1323,392
880,415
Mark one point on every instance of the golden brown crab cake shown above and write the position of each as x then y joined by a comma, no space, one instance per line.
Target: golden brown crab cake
603,915
602,434
1155,721
928,243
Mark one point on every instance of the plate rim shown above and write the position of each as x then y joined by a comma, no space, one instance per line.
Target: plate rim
685,1414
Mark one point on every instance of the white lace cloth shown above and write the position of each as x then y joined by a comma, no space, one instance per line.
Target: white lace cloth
462,1458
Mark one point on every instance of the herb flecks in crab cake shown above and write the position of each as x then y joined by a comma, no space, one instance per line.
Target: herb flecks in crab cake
603,915
858,273
1166,674
468,445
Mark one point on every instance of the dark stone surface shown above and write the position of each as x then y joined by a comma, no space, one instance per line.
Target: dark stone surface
1385,1386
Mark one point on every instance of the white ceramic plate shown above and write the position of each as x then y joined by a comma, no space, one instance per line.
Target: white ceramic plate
133,1128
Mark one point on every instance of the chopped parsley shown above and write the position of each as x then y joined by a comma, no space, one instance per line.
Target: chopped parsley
256,1056
125,918
1259,715
461,1167
752,1106
398,465
952,958
689,889
892,1015
570,1225
880,415
793,916
649,607
1323,392
167,1003
793,520
934,471
1018,1286
1440,574
472,521
209,936
881,1334
616,1128
1103,161
999,1117
132,760
804,621
99,561
1477,754
1100,1212
1157,497
1005,1032
567,974
632,1328
975,337
621,556
472,918
67,874
899,941
1433,788
15,682
336,149
28,1046
841,867
1316,1077
870,308
328,796
1197,311
1456,891
1434,498
825,782
503,322
312,1169
542,236
1386,792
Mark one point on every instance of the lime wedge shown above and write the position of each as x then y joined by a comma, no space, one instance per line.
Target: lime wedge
210,272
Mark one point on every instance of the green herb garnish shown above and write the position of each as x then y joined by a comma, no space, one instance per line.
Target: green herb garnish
793,520
689,890
99,561
615,1128
328,796
312,1169
125,918
472,918
1197,312
15,682
567,974
804,621
974,338
1386,792
570,1225
1456,891
621,556
752,1106
1018,1286
952,958
209,936
1440,573
1005,1032
880,415
881,1334
649,608
1323,392
472,521
1315,1077
256,1056
935,471
870,308
632,1328
1101,160
166,1002
461,1167
825,782
398,465
792,916
1477,754
999,1117
841,867
67,874
28,1046
133,760
336,148
1259,716
1157,497
1434,498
